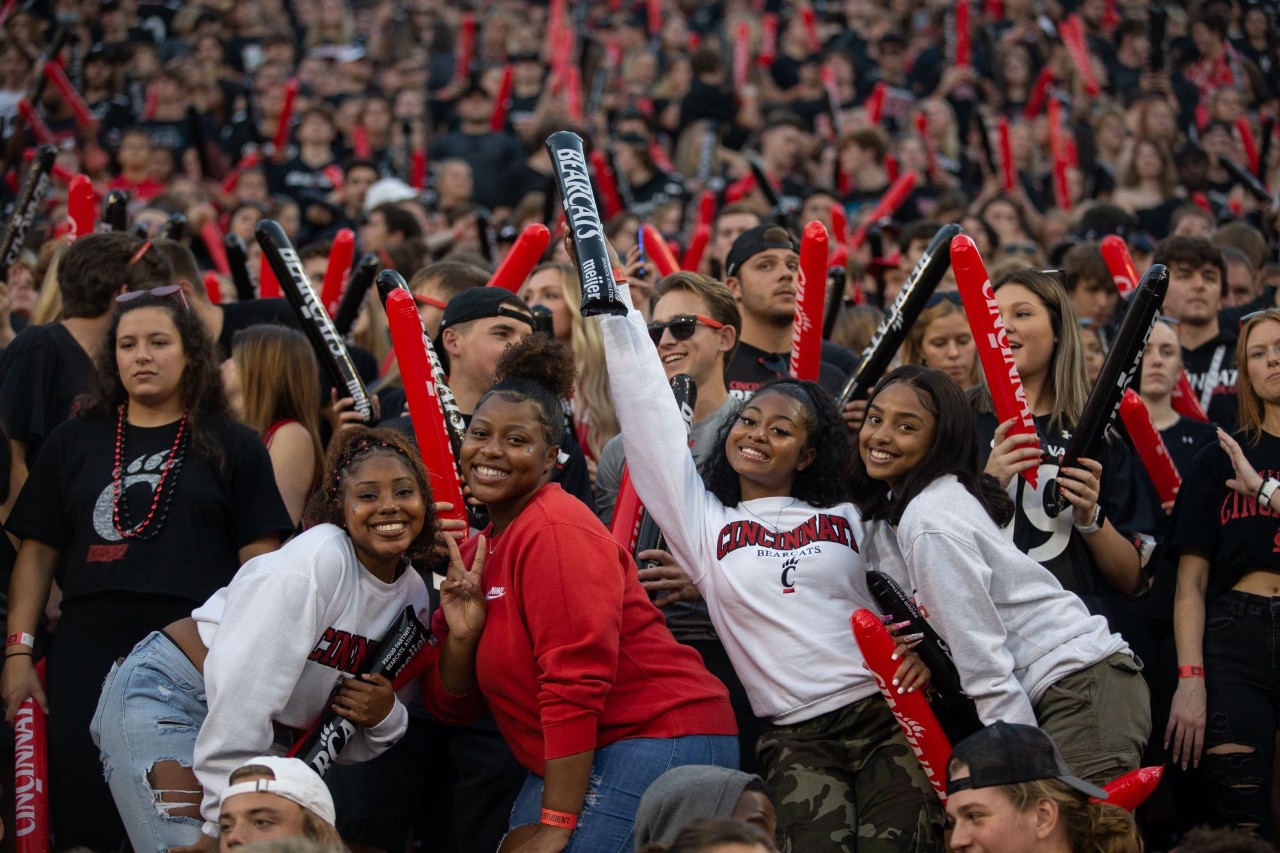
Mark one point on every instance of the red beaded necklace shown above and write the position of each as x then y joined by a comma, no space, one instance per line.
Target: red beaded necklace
120,503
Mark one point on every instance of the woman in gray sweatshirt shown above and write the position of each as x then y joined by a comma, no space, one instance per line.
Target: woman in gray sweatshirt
1027,650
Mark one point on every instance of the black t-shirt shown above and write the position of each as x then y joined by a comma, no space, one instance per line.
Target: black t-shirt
752,368
1211,370
214,510
294,178
1055,542
41,374
492,157
1231,530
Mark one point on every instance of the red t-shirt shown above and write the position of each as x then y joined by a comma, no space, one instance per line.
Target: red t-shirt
141,190
574,656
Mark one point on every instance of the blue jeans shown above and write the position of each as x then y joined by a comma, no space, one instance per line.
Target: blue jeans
151,709
620,773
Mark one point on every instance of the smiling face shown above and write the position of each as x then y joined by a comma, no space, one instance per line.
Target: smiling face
505,456
383,509
987,821
896,434
948,346
766,286
698,356
1030,330
766,446
150,357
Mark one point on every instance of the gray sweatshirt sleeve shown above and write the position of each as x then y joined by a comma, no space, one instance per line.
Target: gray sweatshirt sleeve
952,581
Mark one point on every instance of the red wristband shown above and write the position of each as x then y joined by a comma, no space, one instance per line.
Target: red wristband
1191,672
619,275
20,638
563,820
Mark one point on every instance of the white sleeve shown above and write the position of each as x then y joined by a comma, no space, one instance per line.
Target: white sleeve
953,582
268,627
655,439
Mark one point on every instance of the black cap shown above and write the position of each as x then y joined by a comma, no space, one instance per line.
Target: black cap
479,303
1008,753
753,242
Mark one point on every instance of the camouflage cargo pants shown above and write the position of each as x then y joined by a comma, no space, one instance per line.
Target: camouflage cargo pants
847,781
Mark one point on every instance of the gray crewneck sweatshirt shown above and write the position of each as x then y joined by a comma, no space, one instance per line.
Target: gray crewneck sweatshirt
1013,630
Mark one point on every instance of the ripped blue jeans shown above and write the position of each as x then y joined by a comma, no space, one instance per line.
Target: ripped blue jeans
620,773
150,710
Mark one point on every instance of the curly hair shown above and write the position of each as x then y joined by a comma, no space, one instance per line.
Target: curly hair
201,385
824,482
539,369
352,446
1089,826
953,450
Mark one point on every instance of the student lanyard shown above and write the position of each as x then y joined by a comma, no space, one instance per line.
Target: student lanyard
1210,378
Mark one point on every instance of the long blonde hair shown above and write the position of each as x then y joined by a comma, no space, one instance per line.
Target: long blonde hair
1252,409
592,402
280,380
1068,379
913,346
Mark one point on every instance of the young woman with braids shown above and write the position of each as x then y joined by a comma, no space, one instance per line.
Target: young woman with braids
1024,646
774,547
588,687
142,507
273,649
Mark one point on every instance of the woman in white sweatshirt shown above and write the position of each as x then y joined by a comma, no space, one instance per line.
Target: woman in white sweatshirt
1027,650
273,649
773,545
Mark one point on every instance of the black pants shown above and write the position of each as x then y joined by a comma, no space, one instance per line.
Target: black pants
750,727
1242,665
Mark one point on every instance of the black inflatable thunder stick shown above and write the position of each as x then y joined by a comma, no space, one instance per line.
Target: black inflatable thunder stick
595,271
30,198
685,390
362,276
900,317
238,261
329,348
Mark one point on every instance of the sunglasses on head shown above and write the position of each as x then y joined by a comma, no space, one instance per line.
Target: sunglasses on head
682,327
165,292
952,296
1254,315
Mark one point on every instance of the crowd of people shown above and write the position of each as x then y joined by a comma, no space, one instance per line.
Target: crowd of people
207,547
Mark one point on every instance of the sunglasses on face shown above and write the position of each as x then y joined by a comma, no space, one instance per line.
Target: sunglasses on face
682,327
427,300
166,292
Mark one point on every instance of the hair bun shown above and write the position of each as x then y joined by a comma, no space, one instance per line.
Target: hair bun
540,359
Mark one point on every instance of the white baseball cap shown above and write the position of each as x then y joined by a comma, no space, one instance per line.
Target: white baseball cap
293,780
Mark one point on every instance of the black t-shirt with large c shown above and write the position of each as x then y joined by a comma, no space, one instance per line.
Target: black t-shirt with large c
214,511
1227,528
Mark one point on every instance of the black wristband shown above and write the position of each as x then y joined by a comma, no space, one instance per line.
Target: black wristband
20,655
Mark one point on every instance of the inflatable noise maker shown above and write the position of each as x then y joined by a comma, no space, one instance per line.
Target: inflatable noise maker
595,270
1117,373
30,200
115,211
901,316
401,656
1007,395
951,705
811,298
432,407
31,776
924,734
330,351
238,263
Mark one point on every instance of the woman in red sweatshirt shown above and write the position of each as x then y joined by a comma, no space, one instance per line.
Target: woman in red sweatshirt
589,688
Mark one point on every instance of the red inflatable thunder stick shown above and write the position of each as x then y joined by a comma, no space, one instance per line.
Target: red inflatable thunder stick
212,238
1132,789
912,710
1115,254
82,207
213,287
268,284
286,116
498,118
1007,394
1184,400
466,47
1151,450
811,298
659,251
340,257
961,42
627,512
697,248
523,256
1008,175
31,776
608,183
839,223
888,205
429,427
71,97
